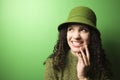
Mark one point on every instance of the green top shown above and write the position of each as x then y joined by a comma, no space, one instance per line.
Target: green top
69,73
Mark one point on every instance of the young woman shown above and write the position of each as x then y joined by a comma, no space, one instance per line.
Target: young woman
78,53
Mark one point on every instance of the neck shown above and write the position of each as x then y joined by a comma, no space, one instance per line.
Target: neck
74,53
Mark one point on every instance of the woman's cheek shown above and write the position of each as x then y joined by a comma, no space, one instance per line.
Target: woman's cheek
86,42
83,48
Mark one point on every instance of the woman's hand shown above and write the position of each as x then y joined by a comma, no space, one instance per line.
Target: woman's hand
83,63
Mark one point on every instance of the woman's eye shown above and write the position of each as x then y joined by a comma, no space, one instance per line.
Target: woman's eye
84,30
69,29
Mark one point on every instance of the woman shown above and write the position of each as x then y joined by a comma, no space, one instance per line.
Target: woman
78,53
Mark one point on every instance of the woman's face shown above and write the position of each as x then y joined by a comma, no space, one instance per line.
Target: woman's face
77,36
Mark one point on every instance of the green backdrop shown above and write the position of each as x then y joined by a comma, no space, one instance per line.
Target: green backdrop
28,32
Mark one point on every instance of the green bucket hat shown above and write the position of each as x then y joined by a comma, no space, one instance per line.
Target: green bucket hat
82,15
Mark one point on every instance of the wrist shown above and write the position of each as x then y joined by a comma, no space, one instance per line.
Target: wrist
83,78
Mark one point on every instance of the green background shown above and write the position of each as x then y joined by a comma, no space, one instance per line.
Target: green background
28,32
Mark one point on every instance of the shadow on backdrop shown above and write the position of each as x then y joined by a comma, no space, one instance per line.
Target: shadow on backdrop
113,54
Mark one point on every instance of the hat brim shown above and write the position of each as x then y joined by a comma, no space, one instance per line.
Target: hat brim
80,20
65,25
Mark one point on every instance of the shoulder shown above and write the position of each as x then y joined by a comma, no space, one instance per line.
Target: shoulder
49,73
49,59
49,65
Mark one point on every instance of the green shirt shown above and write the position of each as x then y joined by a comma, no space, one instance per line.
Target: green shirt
69,73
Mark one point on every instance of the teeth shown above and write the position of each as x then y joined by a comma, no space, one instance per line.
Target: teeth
76,43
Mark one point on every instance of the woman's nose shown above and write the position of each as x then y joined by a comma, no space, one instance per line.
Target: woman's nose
76,35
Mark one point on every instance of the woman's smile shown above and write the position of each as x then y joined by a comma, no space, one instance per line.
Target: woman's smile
77,44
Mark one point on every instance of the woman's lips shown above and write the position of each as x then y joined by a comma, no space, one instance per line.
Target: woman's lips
77,43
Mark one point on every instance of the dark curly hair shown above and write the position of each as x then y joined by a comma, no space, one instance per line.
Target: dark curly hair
99,62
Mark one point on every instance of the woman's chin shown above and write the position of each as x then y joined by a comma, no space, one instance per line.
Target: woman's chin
77,50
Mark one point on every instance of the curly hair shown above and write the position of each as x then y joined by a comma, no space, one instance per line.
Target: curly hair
99,63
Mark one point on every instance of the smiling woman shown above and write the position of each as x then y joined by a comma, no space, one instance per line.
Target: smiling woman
78,53
77,37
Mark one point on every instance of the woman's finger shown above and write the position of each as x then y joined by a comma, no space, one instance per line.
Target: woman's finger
87,54
83,56
79,57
